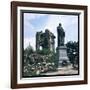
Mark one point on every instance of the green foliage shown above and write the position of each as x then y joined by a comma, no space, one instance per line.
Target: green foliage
73,52
44,52
37,62
54,59
28,50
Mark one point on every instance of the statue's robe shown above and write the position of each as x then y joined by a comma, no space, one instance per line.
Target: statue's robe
61,35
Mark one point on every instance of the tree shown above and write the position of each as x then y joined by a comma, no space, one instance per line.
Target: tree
72,51
44,52
28,50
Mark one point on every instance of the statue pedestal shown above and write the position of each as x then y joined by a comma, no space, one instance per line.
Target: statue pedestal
62,57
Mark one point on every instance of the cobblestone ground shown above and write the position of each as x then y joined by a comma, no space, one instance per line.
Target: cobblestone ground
63,70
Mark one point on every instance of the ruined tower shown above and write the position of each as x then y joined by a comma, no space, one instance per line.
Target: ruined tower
45,40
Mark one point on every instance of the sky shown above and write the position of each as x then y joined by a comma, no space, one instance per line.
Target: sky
34,22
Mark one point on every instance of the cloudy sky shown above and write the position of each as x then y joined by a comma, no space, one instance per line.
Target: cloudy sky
39,22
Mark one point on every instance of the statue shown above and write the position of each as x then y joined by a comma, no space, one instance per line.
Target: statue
61,35
61,48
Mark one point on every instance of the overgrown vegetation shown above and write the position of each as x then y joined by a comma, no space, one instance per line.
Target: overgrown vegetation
73,53
36,63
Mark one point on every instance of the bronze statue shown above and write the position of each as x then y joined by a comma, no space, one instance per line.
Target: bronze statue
61,35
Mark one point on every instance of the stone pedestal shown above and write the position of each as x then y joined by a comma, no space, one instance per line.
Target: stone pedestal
62,56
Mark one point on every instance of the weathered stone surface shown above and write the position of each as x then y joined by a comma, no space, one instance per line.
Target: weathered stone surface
62,56
45,40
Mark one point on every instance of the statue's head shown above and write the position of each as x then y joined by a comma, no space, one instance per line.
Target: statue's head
60,24
46,30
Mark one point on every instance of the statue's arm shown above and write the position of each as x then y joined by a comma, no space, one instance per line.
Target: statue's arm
58,31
